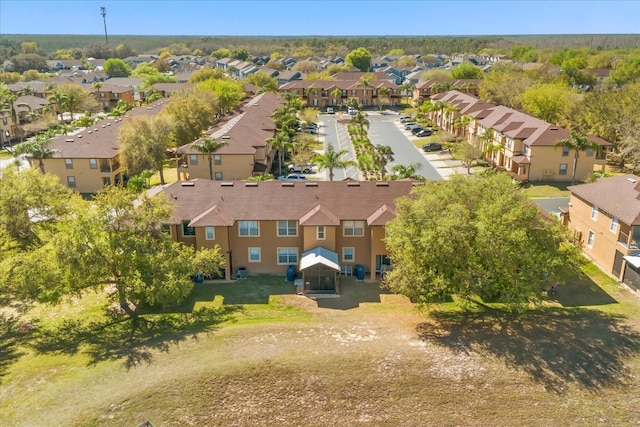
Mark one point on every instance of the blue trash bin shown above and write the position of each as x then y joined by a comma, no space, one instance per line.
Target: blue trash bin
291,273
198,278
359,272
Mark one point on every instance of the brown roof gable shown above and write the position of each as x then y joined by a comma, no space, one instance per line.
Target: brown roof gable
617,195
216,203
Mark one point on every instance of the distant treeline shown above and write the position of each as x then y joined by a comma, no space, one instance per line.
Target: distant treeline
318,46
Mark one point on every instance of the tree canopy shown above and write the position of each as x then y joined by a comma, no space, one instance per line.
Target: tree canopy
116,67
477,237
359,58
466,70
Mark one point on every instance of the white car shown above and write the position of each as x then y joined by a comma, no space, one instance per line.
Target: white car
330,110
300,168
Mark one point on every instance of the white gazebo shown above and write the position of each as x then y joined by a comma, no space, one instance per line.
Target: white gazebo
320,271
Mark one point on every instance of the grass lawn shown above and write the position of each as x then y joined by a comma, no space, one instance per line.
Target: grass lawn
254,353
4,154
547,189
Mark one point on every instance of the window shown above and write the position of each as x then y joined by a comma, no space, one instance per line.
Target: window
248,228
594,213
193,159
209,234
589,152
526,150
218,176
217,159
346,270
71,181
320,234
348,254
68,163
592,237
287,256
93,164
565,151
354,228
106,181
254,255
186,230
563,169
287,228
166,228
614,225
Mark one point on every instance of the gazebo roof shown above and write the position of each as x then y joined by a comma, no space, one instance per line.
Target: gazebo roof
317,256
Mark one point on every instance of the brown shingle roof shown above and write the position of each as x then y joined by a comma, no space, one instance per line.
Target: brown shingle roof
616,195
216,203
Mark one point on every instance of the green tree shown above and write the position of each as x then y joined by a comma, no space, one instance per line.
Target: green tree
466,70
221,53
116,67
240,53
469,152
191,114
382,156
208,146
206,74
474,237
28,61
331,160
627,71
228,92
504,87
408,171
548,102
359,58
262,80
37,147
577,142
281,143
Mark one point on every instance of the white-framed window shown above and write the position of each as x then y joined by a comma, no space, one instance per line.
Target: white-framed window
353,228
166,228
186,230
563,169
248,228
346,270
71,181
287,228
594,213
93,164
68,163
287,256
209,233
565,151
589,152
217,159
526,150
592,237
255,255
614,225
193,159
218,176
320,233
348,254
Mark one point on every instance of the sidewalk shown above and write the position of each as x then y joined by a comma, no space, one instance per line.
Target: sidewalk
445,165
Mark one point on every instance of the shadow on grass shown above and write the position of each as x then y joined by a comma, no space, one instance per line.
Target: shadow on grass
580,290
556,347
254,290
130,340
13,333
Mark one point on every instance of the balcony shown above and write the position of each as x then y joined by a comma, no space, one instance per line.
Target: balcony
629,244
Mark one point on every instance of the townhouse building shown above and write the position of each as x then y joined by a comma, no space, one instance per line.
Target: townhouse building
605,217
88,160
108,95
268,226
336,93
515,141
246,153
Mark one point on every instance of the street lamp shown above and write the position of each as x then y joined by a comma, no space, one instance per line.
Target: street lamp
103,12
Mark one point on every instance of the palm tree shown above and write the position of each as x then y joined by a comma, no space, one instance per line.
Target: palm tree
311,90
331,160
410,171
408,89
97,86
37,147
59,99
337,95
280,142
383,156
577,142
208,146
461,122
361,121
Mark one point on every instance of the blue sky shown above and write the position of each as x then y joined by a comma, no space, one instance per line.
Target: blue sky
320,17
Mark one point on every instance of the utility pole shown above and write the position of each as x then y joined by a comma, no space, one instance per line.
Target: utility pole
103,12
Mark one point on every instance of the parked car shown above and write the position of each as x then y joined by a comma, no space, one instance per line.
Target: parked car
432,146
300,168
416,129
405,118
352,111
330,110
424,132
292,177
410,125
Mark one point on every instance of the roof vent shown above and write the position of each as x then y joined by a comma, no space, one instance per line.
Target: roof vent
95,130
250,184
632,180
69,140
287,184
90,132
79,136
188,183
382,184
310,184
103,126
226,137
353,184
226,184
109,124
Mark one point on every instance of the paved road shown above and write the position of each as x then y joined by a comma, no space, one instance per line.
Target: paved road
382,131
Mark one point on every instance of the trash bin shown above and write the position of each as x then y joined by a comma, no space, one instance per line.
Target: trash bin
359,272
291,273
198,278
242,273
